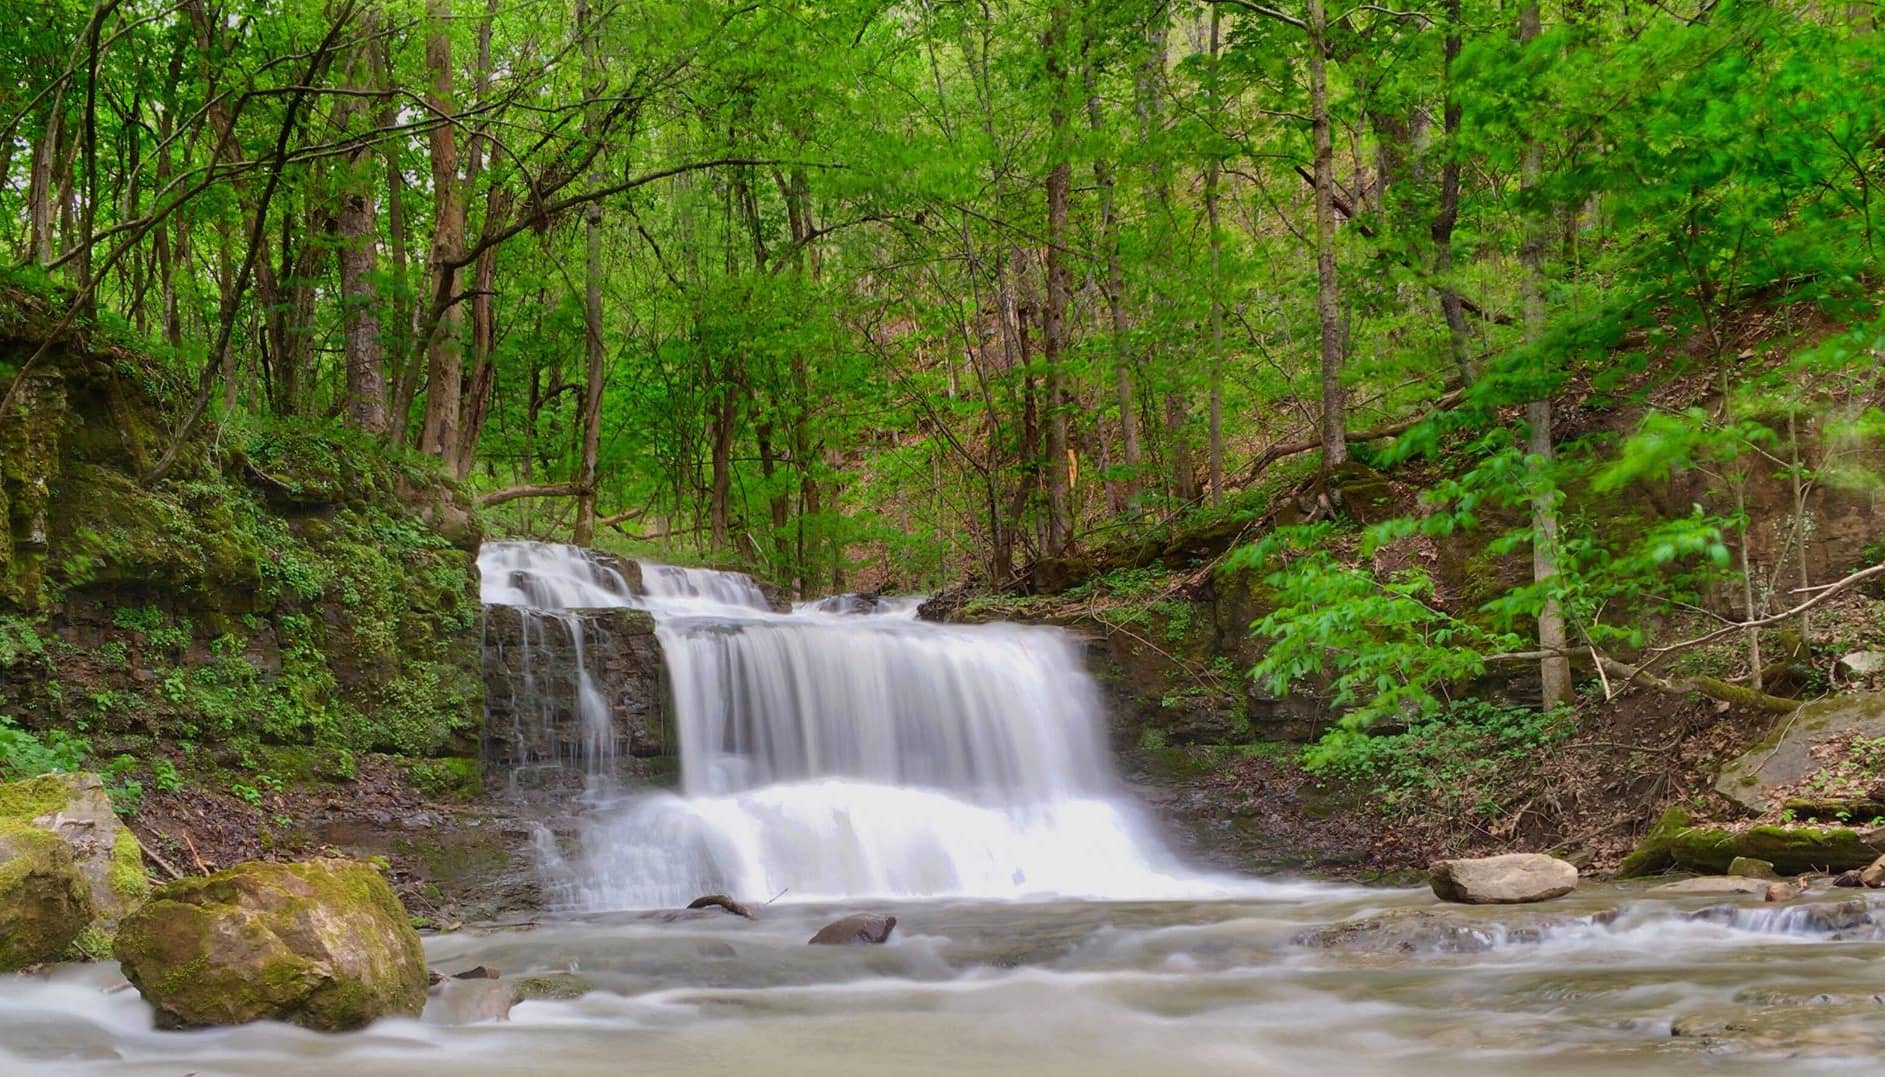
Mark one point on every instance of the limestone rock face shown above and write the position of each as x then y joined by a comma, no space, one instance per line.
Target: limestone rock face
1512,879
76,809
44,902
322,943
1787,756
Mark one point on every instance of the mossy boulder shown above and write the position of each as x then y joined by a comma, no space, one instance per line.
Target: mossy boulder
322,943
44,901
76,809
1674,843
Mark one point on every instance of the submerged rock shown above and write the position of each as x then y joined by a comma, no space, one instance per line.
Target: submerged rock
560,986
721,901
862,928
1512,879
470,1001
44,902
1711,886
322,943
1873,874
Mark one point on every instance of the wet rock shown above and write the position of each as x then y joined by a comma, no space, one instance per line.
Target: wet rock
861,928
1853,878
1749,868
721,901
1512,879
1794,850
322,943
560,986
1779,891
1873,874
1711,886
476,972
1430,931
469,1002
44,900
76,809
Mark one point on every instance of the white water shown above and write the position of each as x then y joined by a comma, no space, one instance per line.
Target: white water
846,749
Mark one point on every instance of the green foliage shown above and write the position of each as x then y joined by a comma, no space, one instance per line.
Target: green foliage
19,640
25,754
1461,759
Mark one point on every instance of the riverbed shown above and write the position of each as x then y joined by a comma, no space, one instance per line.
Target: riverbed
1608,981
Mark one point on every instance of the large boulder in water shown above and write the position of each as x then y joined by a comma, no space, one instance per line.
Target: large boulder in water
76,809
322,943
1512,879
44,902
862,928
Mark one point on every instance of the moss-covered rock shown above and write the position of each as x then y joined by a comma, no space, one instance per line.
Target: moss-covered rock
323,943
1674,843
44,902
1652,854
76,809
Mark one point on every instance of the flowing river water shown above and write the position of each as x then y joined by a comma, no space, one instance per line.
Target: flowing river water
843,757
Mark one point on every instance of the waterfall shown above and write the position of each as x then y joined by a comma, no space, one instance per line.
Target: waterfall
845,748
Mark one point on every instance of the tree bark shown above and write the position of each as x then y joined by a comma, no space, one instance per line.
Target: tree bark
1554,669
1213,174
1328,309
1054,311
444,358
1113,288
356,227
1448,214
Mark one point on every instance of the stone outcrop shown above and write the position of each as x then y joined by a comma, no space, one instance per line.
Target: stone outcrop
322,943
76,809
44,900
1512,879
533,733
1786,756
1712,886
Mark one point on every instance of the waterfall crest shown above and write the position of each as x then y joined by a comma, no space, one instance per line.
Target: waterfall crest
846,749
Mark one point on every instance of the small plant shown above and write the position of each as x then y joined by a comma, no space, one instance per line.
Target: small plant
165,777
248,794
25,754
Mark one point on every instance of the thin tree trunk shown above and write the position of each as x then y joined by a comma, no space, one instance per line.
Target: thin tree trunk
1113,288
1054,312
1328,311
356,227
444,359
1213,173
1447,217
1554,669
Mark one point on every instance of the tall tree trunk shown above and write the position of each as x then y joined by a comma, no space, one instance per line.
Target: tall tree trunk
1113,288
1054,312
405,312
444,358
497,206
1213,173
1328,310
1150,94
1555,670
41,187
1448,215
356,229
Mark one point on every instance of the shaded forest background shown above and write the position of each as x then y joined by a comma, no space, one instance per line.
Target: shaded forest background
864,294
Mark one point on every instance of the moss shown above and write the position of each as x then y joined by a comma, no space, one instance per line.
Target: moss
560,986
128,878
1652,854
44,902
29,799
453,777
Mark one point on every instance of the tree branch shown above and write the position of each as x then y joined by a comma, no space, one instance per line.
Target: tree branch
556,489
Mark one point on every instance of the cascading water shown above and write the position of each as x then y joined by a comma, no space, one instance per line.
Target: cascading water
846,749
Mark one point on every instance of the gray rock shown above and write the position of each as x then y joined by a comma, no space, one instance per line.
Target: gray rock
1512,879
1750,868
1863,663
1786,755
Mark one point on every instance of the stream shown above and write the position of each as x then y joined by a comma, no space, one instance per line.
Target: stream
1229,986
